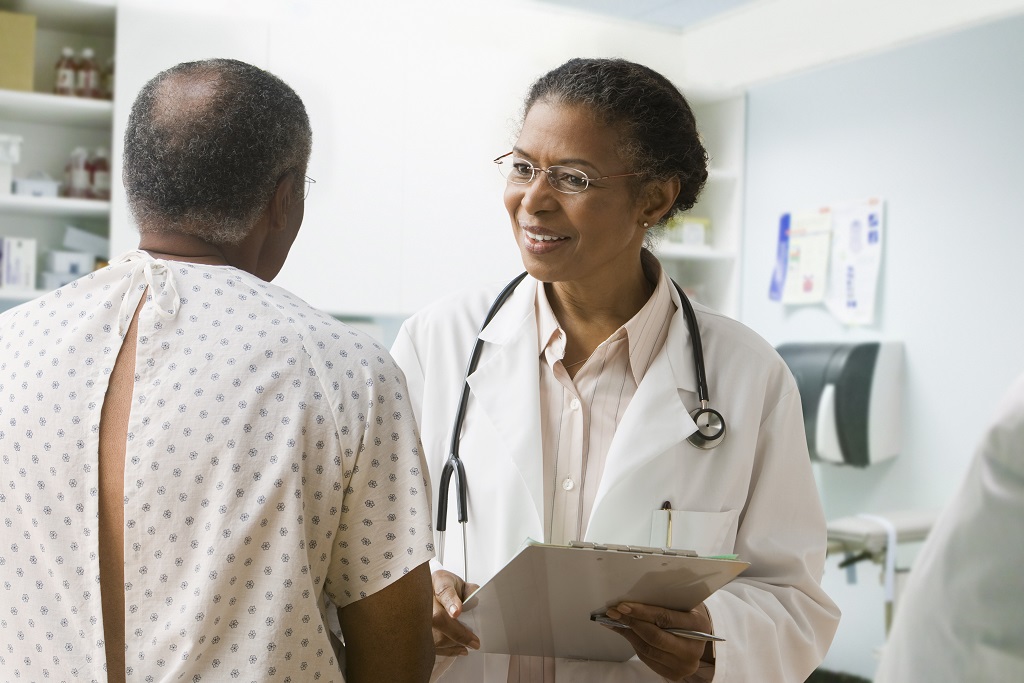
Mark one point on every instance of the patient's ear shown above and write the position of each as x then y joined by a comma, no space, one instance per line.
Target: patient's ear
282,202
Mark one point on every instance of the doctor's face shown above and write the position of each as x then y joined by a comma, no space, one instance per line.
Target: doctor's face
584,238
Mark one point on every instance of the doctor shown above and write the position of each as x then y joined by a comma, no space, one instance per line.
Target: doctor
577,421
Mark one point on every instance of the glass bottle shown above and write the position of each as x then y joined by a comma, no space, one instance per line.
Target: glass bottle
88,82
66,73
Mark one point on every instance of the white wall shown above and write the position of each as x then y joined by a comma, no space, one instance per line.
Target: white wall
409,103
935,129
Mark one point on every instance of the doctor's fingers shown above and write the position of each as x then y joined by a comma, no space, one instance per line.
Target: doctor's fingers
673,664
696,619
449,590
450,632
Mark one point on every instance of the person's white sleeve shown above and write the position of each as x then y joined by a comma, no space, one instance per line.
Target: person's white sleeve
777,620
406,354
959,618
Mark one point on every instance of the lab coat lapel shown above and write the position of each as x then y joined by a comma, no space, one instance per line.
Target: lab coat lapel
506,386
656,419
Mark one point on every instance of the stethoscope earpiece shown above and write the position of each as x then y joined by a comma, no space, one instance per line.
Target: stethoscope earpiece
710,428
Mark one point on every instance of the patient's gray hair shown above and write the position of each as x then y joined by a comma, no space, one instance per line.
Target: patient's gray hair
207,143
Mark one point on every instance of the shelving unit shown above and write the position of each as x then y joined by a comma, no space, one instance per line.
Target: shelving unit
56,207
710,273
51,126
56,110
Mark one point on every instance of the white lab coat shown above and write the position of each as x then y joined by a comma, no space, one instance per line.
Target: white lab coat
753,495
959,618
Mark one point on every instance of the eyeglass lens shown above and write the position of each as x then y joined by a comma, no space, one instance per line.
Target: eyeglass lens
562,178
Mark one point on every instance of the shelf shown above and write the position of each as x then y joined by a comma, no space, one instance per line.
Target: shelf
54,206
683,252
19,296
35,107
719,175
77,16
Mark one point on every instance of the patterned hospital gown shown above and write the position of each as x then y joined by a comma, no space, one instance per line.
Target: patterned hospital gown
273,468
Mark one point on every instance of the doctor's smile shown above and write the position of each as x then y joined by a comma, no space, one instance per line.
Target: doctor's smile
540,241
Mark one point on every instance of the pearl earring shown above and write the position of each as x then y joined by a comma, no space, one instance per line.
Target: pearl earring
645,224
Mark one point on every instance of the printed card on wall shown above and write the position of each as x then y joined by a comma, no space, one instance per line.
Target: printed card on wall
807,258
857,236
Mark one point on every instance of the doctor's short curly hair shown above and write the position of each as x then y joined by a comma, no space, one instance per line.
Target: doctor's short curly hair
660,139
207,143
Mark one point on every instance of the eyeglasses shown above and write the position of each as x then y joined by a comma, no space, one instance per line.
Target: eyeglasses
562,178
309,182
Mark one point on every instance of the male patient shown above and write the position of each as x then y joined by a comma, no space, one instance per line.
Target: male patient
197,465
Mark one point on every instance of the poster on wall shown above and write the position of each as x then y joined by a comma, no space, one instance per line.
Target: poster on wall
801,266
833,256
857,232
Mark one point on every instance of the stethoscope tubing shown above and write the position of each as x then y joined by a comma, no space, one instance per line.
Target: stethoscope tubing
454,464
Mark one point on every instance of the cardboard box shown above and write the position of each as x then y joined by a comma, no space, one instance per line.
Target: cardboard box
70,262
17,50
18,263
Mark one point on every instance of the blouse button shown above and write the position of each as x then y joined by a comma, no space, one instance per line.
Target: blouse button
568,484
574,404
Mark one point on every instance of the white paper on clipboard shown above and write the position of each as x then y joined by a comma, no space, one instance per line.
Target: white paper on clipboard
541,601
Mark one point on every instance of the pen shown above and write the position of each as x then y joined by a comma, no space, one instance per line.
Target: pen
682,632
667,506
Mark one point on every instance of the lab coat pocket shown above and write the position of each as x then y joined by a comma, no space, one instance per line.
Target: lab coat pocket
706,533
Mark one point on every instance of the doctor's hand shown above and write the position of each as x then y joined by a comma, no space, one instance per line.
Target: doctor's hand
451,637
668,655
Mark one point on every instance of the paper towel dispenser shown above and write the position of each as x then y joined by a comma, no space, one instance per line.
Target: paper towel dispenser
852,396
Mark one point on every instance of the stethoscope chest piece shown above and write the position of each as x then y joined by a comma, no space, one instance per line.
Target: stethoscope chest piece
710,428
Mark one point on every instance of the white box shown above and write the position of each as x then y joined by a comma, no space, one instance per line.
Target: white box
6,178
87,242
70,262
694,231
10,148
18,263
10,154
48,280
36,187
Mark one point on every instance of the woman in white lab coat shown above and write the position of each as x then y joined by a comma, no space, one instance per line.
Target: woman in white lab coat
579,413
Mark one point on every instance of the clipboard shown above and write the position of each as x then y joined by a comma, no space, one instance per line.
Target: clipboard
540,603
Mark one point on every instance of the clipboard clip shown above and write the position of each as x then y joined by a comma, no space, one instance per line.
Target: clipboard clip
635,549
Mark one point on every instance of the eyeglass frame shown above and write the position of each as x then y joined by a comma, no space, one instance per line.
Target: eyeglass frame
309,183
551,182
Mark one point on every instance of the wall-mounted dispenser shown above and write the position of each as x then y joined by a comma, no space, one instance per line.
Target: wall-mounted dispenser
852,396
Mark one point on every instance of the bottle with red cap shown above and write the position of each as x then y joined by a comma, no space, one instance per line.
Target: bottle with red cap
66,73
88,82
99,175
108,79
76,174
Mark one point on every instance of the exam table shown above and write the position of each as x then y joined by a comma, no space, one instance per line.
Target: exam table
876,537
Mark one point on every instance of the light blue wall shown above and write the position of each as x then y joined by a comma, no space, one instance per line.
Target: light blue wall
937,129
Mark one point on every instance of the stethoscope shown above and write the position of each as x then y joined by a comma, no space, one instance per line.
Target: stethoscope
710,423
